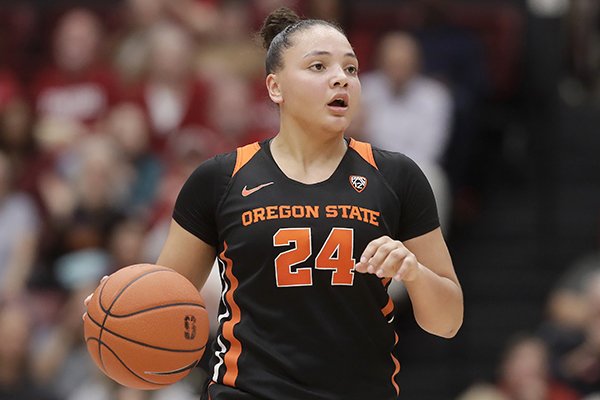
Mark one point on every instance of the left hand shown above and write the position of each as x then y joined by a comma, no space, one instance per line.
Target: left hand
388,258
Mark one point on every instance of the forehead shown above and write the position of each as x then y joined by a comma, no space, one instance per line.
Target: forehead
319,38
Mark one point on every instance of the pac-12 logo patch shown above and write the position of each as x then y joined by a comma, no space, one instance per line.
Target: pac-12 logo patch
359,183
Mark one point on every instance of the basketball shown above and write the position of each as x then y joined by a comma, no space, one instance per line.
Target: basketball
146,326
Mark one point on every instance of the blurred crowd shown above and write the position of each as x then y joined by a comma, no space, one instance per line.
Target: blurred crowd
106,110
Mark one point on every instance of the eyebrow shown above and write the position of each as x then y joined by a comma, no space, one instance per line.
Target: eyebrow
327,53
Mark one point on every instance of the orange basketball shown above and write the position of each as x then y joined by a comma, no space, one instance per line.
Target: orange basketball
146,326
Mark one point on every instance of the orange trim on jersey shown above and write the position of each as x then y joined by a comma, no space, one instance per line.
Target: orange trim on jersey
244,154
389,307
235,349
364,150
397,364
386,282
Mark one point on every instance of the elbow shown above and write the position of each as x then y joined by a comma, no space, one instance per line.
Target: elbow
447,330
449,333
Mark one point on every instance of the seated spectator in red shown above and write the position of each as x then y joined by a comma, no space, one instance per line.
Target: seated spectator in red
172,96
16,134
525,373
77,86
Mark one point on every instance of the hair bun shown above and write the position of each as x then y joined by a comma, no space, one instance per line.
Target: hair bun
276,22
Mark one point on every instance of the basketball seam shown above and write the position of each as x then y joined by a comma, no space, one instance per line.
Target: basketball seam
101,343
138,342
155,308
107,311
175,372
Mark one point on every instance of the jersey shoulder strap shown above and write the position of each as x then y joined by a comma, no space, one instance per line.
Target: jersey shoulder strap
244,154
364,150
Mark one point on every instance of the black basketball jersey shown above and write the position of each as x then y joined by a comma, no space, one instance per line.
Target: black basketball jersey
296,320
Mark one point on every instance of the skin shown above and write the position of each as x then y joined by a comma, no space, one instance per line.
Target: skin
319,67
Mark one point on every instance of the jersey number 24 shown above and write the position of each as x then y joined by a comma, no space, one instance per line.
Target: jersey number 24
335,255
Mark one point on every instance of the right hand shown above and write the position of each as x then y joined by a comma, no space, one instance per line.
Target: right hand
89,298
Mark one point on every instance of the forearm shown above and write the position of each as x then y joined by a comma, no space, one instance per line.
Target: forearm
437,302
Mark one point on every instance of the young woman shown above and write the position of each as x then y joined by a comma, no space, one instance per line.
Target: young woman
309,228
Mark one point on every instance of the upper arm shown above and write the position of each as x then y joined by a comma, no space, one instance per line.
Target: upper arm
187,254
431,251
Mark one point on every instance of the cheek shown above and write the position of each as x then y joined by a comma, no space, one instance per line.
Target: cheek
356,92
302,90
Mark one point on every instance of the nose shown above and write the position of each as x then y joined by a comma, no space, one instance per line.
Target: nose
339,78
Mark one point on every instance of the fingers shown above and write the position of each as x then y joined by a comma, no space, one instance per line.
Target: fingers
89,298
408,269
388,258
370,250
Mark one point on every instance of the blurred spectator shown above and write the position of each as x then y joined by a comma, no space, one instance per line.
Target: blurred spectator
407,112
16,380
234,115
16,134
329,10
524,373
77,86
184,154
571,327
19,229
84,198
172,96
577,357
201,17
126,243
127,124
220,57
131,43
567,307
482,391
583,56
62,363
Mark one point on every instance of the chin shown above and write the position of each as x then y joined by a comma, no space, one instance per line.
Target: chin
341,125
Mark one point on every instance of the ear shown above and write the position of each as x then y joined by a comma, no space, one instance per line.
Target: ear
274,89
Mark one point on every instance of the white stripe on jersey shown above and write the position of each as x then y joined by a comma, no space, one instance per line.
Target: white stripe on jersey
225,289
219,353
219,356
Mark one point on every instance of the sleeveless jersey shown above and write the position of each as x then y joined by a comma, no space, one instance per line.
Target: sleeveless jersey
296,320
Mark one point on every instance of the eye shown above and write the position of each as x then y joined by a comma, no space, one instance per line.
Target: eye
317,67
352,70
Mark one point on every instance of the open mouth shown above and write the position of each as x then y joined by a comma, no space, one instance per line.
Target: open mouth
338,103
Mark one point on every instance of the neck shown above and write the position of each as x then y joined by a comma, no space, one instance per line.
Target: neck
308,157
307,148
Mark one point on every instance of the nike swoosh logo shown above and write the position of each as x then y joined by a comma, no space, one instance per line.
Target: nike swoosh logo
247,192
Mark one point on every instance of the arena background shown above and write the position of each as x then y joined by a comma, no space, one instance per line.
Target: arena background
522,161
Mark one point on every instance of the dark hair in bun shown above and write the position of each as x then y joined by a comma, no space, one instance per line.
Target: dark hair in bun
276,31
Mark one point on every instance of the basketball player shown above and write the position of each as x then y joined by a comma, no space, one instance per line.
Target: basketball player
309,228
